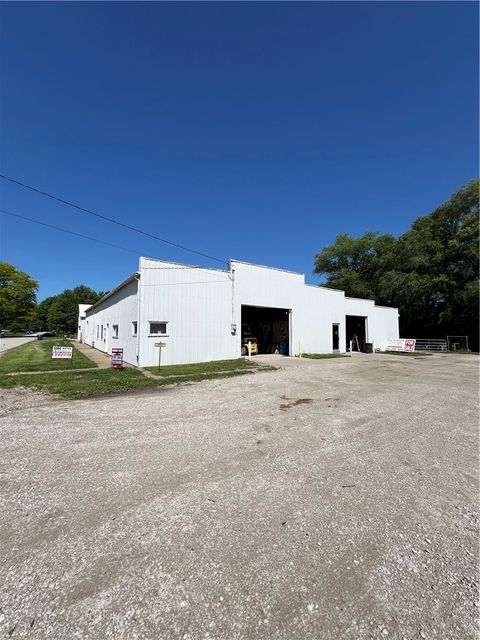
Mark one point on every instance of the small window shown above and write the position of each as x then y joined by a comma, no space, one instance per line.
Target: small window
158,328
114,330
98,331
134,328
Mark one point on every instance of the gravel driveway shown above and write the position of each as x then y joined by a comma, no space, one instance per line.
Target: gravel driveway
330,499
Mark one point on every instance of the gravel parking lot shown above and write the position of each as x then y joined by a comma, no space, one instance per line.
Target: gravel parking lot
329,499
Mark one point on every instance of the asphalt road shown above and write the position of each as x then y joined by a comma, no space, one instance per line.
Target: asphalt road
330,499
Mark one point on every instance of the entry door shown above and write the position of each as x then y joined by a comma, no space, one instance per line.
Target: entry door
335,337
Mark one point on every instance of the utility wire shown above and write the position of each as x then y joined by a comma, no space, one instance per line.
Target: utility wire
108,244
73,233
112,220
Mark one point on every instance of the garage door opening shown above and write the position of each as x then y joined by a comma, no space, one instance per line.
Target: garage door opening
269,326
356,332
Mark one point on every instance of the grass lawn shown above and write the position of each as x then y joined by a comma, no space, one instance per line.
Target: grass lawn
81,384
37,356
416,354
322,356
203,368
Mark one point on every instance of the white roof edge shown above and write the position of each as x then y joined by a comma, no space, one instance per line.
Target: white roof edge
115,289
181,265
321,286
263,266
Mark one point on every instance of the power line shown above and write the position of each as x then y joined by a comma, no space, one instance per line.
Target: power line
112,220
73,233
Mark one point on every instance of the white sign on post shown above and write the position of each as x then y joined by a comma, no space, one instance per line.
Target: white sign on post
160,346
62,352
400,344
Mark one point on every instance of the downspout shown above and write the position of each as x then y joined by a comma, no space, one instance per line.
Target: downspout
137,278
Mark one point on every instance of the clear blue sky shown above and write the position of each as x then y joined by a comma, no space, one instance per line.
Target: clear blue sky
256,131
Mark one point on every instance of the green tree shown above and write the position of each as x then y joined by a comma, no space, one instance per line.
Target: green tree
62,313
18,294
430,273
40,317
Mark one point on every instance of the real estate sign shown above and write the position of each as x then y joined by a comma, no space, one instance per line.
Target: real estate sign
117,358
400,344
62,352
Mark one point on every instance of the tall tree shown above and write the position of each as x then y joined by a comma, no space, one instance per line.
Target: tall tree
62,313
18,294
430,272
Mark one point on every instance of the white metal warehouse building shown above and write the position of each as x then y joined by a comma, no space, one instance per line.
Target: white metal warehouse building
202,314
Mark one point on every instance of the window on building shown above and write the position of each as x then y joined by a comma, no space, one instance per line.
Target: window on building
98,331
158,328
134,328
101,332
114,330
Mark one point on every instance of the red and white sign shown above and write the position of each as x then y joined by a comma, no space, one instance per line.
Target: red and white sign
62,352
400,344
117,358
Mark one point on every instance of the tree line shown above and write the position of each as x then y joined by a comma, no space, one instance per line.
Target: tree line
20,312
430,272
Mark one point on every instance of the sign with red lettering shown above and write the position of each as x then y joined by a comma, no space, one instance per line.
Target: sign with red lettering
400,344
117,358
62,352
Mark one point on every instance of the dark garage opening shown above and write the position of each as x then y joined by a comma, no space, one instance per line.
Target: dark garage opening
356,332
270,327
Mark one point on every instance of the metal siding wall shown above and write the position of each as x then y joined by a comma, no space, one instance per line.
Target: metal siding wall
196,303
201,304
314,309
120,308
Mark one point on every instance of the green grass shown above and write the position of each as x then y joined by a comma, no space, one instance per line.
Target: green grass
82,384
416,354
203,368
37,356
323,356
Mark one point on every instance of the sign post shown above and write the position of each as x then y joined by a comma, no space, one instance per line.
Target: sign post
160,346
117,358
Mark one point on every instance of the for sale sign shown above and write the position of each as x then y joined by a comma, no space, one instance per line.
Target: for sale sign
400,344
62,352
117,358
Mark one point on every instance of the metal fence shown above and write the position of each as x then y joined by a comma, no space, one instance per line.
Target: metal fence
434,344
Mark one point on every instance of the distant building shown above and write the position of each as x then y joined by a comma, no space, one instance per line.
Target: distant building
203,314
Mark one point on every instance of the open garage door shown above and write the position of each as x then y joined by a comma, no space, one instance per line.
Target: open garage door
269,326
356,332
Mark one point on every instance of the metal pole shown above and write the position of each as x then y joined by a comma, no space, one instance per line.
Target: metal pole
159,356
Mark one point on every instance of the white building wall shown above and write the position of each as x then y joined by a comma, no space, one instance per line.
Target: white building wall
121,308
201,306
82,324
313,309
197,305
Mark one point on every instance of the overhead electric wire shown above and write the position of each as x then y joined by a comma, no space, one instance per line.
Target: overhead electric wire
112,220
73,233
108,244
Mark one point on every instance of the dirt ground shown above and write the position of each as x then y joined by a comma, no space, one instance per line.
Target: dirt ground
329,499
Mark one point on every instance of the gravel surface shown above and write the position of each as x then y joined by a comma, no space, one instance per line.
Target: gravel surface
12,401
330,499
